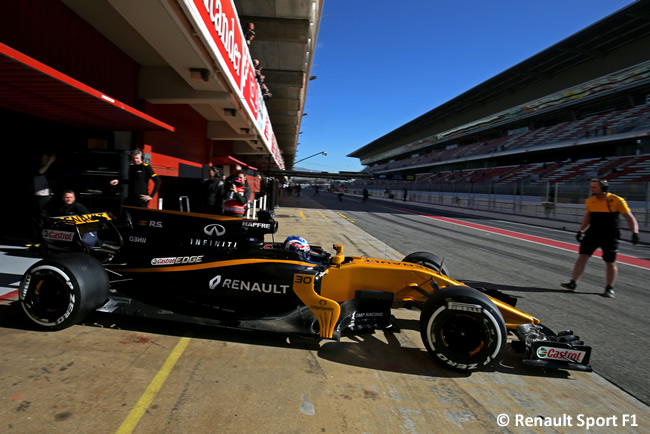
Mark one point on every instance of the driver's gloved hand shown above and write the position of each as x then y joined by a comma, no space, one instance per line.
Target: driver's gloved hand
580,236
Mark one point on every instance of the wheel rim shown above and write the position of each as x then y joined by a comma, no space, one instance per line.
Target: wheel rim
463,335
48,296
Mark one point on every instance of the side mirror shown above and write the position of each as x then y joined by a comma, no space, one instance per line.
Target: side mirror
338,248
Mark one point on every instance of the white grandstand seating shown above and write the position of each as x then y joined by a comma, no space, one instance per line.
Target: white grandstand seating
620,169
623,169
636,170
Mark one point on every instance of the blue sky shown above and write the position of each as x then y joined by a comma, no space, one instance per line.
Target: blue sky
380,64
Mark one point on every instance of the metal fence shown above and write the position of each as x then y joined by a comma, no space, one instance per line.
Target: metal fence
559,201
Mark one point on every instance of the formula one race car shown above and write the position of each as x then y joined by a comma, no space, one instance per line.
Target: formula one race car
220,270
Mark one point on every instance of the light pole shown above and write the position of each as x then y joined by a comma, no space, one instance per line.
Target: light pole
317,153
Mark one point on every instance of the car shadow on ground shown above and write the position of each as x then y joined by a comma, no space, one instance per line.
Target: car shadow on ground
523,289
380,350
8,280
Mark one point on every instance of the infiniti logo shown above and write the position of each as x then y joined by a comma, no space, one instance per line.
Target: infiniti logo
214,229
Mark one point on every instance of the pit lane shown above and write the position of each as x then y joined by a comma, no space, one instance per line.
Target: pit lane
139,375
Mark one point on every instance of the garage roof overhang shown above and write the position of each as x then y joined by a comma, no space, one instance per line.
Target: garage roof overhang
322,175
32,87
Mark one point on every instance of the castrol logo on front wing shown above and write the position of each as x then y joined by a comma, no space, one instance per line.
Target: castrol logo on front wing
563,354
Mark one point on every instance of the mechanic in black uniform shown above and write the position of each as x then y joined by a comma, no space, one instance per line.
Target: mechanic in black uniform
213,189
41,192
601,225
68,205
138,180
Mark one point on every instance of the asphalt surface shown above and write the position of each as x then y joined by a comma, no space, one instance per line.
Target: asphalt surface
138,373
530,270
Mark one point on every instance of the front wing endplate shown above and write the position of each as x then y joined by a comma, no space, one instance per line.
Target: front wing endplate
325,310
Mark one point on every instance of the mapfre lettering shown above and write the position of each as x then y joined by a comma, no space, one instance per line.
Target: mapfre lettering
256,225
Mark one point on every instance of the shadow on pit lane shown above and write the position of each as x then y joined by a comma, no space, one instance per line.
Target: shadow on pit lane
370,351
354,203
22,252
8,280
379,350
525,289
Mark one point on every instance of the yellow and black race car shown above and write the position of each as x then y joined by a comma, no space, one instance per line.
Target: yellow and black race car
220,270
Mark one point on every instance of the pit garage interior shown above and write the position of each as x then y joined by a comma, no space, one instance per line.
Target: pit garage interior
89,81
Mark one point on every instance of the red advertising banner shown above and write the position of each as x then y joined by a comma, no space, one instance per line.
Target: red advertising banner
219,25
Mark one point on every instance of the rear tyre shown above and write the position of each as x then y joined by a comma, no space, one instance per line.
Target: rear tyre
462,329
61,291
428,260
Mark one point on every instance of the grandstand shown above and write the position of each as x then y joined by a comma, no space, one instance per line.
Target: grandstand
576,110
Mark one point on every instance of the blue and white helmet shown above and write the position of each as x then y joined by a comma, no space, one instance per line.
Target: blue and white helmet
298,244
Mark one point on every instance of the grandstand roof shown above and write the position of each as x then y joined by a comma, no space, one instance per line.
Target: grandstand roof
630,25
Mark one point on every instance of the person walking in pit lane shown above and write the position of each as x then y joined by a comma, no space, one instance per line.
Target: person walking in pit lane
599,228
138,180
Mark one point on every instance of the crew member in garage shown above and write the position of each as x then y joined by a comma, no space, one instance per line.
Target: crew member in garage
68,205
599,228
237,193
213,191
138,180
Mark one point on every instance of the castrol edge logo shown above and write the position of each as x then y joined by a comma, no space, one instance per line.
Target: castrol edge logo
563,354
50,234
175,260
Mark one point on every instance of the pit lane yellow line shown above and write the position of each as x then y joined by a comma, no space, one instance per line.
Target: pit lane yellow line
152,390
348,219
324,216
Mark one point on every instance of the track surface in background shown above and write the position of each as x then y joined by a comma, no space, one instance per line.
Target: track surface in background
529,262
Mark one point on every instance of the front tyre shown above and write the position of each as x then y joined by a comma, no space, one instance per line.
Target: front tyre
61,291
462,329
428,260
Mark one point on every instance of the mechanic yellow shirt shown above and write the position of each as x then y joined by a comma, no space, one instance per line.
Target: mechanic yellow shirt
610,203
603,213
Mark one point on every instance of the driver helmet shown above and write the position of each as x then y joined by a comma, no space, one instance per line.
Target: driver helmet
298,244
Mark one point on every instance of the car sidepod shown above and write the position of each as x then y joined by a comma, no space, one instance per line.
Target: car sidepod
243,288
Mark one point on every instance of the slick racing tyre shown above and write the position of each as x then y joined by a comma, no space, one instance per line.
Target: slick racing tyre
61,291
428,260
462,329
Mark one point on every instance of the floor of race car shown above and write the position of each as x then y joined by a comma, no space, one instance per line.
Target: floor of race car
129,374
